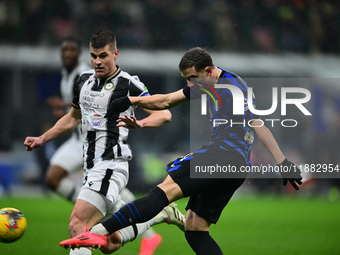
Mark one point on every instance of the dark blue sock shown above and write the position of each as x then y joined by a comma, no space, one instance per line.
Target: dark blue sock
140,210
202,243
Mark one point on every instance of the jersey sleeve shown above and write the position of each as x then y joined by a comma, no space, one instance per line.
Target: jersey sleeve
76,89
137,88
190,94
75,102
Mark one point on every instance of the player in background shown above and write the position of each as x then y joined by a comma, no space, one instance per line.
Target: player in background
105,149
230,145
68,158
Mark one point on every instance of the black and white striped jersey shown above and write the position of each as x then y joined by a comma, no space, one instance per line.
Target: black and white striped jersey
103,141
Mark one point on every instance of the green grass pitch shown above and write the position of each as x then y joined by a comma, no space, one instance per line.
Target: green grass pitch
258,225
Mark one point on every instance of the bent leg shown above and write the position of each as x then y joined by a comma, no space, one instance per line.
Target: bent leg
57,180
171,189
54,175
194,222
145,208
85,213
169,214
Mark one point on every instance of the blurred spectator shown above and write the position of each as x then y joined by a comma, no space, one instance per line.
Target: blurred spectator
270,26
101,15
135,32
264,40
9,21
33,21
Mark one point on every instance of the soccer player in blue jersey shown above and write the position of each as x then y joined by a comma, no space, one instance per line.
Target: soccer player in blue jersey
230,145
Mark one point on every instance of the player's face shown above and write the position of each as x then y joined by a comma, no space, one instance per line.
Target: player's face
191,73
103,61
69,54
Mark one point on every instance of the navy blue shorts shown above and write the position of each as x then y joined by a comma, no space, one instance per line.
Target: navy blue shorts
208,196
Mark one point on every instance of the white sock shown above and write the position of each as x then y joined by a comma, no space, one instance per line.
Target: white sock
68,189
99,229
128,197
148,233
161,217
127,234
81,251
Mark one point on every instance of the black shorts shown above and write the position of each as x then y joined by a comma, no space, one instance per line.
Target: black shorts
208,197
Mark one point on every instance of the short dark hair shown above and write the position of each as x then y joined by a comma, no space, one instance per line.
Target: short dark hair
102,38
197,57
73,39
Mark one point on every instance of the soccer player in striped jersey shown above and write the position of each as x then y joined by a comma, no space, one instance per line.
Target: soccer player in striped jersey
105,149
230,145
68,158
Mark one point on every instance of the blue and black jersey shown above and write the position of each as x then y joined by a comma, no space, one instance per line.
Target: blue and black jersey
234,135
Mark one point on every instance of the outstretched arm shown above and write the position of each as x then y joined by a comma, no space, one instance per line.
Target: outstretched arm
154,102
63,126
288,170
155,119
160,101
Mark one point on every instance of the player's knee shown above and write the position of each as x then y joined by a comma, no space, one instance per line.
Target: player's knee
51,183
194,222
54,176
171,189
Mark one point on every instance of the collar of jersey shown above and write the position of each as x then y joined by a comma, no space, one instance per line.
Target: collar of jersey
113,75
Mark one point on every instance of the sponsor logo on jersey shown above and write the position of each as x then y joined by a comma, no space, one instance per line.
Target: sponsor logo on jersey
94,94
109,86
96,123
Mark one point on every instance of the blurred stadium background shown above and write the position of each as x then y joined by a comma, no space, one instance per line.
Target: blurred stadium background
253,38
